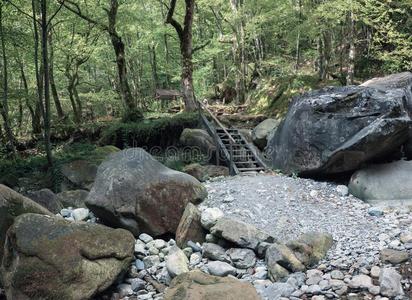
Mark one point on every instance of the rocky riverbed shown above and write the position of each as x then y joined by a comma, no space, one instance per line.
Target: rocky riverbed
369,258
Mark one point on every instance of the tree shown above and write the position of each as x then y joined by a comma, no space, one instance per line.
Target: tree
185,38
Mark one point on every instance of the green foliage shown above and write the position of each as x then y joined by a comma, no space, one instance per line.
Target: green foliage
160,132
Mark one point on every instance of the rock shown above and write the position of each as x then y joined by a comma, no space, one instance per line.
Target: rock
195,258
151,261
314,276
242,258
393,256
319,244
176,262
80,214
336,274
195,246
406,237
125,290
145,238
360,282
275,271
190,228
342,190
200,286
374,290
276,291
75,198
282,255
47,199
134,191
337,129
50,258
215,252
375,212
375,271
210,216
157,243
203,173
78,174
384,184
261,132
198,139
390,282
240,233
220,268
13,204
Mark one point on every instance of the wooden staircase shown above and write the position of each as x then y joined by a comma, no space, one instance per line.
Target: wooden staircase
231,146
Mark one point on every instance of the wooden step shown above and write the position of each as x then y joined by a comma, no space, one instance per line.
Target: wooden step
251,169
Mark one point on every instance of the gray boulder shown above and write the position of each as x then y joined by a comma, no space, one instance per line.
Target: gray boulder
47,199
337,129
384,184
390,282
203,173
261,132
134,191
50,258
13,204
200,139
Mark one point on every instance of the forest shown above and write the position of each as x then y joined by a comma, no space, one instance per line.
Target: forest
78,70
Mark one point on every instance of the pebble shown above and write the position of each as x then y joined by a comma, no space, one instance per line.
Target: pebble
220,268
80,214
145,238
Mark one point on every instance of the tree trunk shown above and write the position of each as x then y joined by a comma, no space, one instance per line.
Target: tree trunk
5,104
45,58
55,95
352,50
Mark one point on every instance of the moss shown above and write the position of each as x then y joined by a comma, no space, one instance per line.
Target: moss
161,132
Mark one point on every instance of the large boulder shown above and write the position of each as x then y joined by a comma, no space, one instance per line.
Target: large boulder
402,82
12,204
50,258
134,191
47,199
201,286
384,184
199,139
261,132
337,129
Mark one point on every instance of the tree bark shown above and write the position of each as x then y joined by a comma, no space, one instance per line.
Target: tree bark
5,103
352,50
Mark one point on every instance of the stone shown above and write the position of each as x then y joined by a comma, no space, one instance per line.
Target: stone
215,252
375,212
390,283
242,258
50,258
139,264
176,262
384,184
210,216
137,284
13,204
314,276
393,256
240,233
220,268
276,290
190,228
360,282
204,173
134,191
319,243
336,274
406,237
276,272
342,190
195,246
151,261
261,132
282,255
337,129
374,290
195,259
201,286
73,198
145,238
125,290
47,199
80,214
375,271
198,139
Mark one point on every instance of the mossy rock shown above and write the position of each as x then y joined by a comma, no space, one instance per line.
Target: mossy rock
51,258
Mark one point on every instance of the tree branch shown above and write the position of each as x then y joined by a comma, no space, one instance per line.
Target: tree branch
22,11
200,47
170,20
